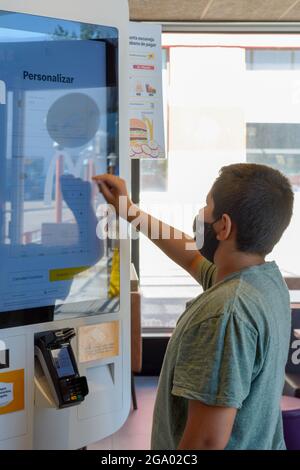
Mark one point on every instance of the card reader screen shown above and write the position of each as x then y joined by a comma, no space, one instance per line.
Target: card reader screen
62,362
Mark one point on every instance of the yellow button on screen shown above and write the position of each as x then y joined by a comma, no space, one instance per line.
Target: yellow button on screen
65,274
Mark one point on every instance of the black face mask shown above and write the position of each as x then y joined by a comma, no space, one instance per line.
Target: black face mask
210,243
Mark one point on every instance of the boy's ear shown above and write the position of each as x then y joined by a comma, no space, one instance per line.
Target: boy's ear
224,228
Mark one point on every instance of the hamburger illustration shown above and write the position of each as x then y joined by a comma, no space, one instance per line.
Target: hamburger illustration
138,132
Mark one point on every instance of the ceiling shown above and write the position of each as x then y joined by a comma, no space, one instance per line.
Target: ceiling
215,10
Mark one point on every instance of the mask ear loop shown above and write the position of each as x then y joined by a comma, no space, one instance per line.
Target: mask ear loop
212,223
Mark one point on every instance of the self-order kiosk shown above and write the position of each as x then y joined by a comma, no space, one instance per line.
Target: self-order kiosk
64,278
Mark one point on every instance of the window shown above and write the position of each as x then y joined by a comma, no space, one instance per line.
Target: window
266,59
277,145
228,98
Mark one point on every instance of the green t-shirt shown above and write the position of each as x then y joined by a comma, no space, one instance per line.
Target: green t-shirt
229,348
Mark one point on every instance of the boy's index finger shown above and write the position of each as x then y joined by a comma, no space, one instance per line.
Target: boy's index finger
106,178
103,177
98,177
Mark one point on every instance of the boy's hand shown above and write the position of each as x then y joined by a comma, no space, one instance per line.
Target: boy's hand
112,187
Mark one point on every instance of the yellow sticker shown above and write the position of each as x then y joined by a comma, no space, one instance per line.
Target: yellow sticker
98,341
11,391
65,274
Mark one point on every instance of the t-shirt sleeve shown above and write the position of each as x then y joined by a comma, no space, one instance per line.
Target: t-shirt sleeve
215,361
206,273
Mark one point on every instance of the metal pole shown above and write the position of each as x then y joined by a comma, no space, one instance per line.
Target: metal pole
135,194
58,193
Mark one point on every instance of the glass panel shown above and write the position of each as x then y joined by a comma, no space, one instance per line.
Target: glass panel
59,127
266,59
230,98
154,175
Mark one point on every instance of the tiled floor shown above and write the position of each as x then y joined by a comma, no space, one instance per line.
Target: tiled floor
136,432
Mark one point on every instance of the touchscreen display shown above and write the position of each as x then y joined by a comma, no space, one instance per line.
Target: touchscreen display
58,128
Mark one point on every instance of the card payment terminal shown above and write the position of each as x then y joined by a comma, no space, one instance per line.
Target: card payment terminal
54,352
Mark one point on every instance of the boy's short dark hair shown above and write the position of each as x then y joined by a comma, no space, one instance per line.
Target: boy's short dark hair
258,199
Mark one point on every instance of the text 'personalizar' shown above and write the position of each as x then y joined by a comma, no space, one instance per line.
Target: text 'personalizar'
39,77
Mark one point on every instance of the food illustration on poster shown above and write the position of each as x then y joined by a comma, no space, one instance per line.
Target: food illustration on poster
142,144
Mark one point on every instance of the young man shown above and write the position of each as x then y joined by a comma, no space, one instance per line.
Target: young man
223,372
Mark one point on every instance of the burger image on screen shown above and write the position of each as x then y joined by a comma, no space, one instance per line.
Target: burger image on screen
138,132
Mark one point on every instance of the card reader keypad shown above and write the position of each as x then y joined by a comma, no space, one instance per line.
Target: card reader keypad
72,390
